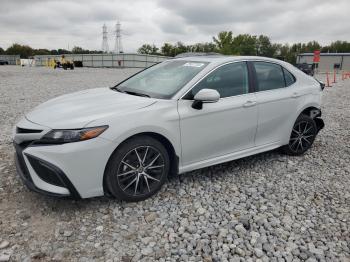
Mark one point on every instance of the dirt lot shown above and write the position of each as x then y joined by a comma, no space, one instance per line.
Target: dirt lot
268,207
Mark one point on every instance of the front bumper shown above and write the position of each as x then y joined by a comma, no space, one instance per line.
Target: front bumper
23,172
68,170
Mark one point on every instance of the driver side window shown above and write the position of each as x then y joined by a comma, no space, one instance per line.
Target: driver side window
228,80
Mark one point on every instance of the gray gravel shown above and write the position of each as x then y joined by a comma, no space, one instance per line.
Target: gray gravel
268,207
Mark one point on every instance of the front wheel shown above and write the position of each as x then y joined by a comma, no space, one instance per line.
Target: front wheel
137,169
302,137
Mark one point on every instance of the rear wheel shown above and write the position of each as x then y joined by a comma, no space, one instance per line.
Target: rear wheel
302,137
137,169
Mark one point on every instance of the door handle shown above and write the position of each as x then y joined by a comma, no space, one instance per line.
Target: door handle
249,103
296,95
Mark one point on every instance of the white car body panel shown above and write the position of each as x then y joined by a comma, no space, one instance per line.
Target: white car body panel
83,162
220,132
218,129
76,110
275,107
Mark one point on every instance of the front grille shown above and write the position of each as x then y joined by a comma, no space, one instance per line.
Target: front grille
20,130
46,171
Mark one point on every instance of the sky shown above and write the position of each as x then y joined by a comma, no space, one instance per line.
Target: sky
56,24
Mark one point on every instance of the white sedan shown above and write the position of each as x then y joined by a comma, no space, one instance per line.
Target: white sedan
177,116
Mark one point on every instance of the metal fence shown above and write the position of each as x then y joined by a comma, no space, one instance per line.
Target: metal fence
104,60
11,59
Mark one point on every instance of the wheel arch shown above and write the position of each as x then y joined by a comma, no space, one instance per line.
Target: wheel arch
315,113
311,111
174,158
308,109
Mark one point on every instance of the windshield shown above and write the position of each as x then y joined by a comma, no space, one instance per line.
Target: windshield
162,80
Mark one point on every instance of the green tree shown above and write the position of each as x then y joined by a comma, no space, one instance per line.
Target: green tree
79,50
2,51
172,50
312,46
167,49
180,48
148,49
244,45
202,47
53,52
264,47
223,41
41,52
287,54
63,51
23,50
339,47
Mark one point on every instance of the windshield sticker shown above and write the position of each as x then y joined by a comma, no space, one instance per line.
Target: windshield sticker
191,64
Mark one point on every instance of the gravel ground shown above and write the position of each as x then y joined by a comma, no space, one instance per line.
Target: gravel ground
268,207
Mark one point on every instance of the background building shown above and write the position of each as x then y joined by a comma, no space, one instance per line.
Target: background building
328,61
11,59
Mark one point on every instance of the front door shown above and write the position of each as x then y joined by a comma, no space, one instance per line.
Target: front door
220,128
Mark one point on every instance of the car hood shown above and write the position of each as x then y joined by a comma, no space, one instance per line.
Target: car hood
78,109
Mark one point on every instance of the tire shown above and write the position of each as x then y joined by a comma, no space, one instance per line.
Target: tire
137,169
302,137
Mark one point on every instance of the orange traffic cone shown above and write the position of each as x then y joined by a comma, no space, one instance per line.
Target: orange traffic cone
334,77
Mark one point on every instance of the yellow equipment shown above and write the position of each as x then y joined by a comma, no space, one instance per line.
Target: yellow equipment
64,63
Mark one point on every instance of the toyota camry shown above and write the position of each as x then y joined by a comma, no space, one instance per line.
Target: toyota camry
180,115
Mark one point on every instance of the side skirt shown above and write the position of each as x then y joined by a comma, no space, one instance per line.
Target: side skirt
229,157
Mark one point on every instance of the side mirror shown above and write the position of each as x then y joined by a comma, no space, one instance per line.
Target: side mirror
205,96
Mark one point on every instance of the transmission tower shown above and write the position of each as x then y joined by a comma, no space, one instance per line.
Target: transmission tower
105,47
118,47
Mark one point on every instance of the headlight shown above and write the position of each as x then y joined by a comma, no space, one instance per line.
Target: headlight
61,136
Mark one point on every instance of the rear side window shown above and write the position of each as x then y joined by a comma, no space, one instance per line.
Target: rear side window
290,79
228,80
270,76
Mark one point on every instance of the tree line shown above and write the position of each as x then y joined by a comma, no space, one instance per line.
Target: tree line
224,43
245,44
26,51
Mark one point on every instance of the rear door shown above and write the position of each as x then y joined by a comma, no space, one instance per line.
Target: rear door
277,98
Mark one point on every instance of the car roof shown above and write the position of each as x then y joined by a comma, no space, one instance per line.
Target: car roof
224,59
215,61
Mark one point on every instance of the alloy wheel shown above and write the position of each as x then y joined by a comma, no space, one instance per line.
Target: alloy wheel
302,136
141,171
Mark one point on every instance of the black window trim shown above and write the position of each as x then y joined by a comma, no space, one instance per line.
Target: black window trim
255,78
250,80
284,75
